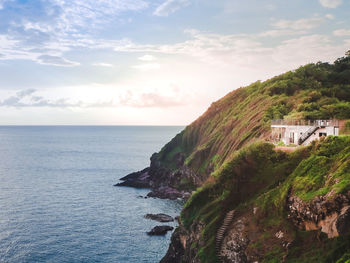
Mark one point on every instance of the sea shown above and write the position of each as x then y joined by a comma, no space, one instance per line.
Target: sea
58,202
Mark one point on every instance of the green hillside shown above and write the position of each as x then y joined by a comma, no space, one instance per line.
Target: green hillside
257,176
314,91
226,147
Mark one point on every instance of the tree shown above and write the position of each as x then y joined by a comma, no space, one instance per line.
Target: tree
347,53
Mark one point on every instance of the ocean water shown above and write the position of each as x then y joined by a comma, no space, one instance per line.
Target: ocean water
57,200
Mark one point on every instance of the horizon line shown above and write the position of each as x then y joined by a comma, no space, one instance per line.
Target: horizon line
91,125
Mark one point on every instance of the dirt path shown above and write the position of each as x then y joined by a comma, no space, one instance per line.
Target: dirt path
285,149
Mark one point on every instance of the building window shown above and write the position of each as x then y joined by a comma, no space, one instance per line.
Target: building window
291,137
322,134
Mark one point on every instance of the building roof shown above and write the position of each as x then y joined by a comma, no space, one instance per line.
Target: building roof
316,123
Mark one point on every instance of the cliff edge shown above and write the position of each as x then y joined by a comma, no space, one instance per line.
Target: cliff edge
289,207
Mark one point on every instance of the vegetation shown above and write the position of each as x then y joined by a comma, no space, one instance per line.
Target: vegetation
227,147
259,176
314,91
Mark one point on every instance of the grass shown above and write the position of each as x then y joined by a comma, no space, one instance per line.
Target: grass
258,176
241,172
313,91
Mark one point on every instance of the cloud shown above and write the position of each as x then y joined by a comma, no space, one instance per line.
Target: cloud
147,66
24,93
279,32
294,27
303,50
28,99
341,32
209,48
56,27
87,13
56,61
15,100
331,3
147,58
170,6
102,64
330,16
247,55
152,100
2,2
300,24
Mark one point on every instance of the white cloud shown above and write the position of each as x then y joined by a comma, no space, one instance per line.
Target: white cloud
2,2
6,42
294,27
152,100
147,66
47,28
45,40
101,64
245,53
307,49
330,16
170,6
331,3
82,13
341,32
300,24
56,61
147,58
281,32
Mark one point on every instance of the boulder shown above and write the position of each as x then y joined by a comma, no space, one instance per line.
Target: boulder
139,179
159,230
160,217
343,222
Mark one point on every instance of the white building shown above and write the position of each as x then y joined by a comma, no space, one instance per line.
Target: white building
301,132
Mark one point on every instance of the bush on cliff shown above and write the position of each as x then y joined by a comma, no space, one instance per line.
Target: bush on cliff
260,176
314,91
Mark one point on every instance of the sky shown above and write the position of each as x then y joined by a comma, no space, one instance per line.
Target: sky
152,62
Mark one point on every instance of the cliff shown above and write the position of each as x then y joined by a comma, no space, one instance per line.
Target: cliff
285,205
288,207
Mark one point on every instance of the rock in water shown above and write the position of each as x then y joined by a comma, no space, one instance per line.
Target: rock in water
139,179
160,217
159,230
166,192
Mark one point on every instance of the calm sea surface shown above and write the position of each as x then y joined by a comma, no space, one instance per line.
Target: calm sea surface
57,200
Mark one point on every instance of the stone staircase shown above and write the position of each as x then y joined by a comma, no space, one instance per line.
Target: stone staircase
221,232
307,134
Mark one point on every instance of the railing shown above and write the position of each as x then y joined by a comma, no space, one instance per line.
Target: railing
318,123
307,134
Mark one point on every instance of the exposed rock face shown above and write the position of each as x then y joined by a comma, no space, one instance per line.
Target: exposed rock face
165,184
176,249
163,179
343,222
235,243
160,217
330,215
159,230
184,245
139,179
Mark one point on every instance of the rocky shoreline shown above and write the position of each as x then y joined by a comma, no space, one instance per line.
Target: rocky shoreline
163,218
164,183
143,179
160,230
